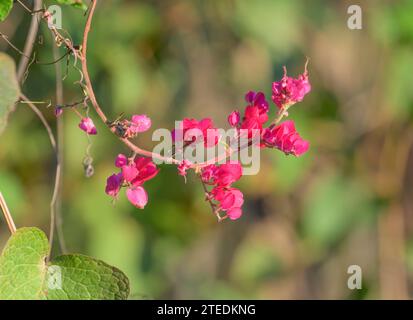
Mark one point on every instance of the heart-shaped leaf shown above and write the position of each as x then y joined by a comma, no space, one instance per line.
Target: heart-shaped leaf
85,278
22,265
24,273
9,88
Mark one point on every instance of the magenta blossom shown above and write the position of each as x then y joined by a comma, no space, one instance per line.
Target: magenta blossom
222,175
133,175
146,170
87,125
192,130
140,123
257,99
139,171
58,111
183,167
234,118
230,200
289,91
113,184
208,173
121,160
227,173
129,172
285,138
137,196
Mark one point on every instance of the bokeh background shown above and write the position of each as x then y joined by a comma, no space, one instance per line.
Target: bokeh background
347,201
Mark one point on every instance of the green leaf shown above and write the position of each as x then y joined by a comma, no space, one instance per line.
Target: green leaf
9,88
85,278
74,3
22,265
5,8
24,273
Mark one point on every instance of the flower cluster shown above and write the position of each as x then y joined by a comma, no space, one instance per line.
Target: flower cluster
282,136
226,198
289,90
134,172
285,138
255,115
218,179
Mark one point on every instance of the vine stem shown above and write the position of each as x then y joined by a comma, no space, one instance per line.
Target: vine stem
7,215
30,39
42,119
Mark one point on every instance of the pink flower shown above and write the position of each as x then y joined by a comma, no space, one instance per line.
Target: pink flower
192,130
121,160
140,123
228,197
234,118
129,172
132,175
222,175
230,200
183,167
208,173
257,99
234,213
254,119
87,125
285,138
137,196
227,173
113,184
289,90
58,111
146,170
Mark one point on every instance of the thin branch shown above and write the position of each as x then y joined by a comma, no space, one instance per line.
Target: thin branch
6,38
24,6
42,119
7,215
30,40
58,168
57,192
213,206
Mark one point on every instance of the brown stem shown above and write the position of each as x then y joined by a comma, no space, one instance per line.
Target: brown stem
30,39
7,215
213,206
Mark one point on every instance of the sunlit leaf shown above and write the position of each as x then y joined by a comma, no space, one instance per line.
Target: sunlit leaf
25,274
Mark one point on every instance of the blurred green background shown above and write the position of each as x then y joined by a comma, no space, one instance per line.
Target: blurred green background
347,201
